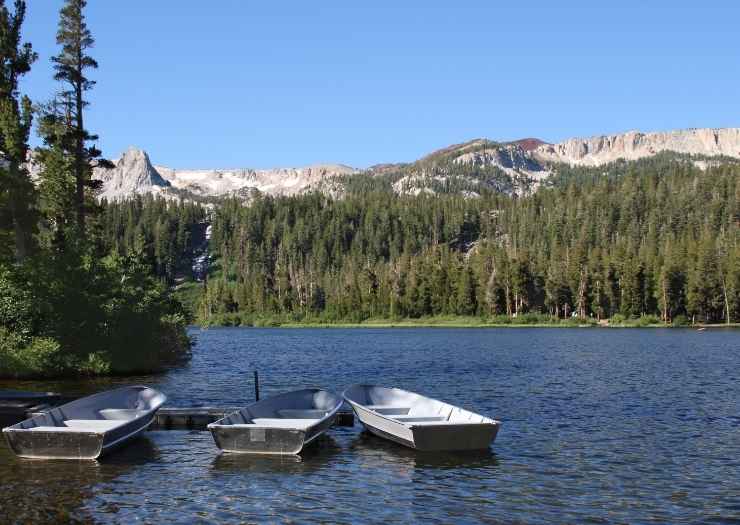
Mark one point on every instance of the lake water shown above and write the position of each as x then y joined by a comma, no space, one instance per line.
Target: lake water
599,426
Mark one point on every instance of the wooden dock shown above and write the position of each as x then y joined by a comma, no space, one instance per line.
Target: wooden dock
16,405
198,418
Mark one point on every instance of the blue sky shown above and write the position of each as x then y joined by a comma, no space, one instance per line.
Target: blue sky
236,83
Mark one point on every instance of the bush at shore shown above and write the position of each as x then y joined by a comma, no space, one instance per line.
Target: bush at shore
93,317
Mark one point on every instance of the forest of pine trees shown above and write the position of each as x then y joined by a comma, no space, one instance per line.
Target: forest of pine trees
163,233
655,239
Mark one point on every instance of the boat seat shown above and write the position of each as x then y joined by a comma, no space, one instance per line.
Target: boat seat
275,422
292,413
46,428
93,425
430,423
420,419
82,425
389,410
125,414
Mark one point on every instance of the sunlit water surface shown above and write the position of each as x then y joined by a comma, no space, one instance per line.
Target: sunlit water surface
599,426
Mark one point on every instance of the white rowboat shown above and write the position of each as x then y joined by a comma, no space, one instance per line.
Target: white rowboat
419,422
282,424
86,428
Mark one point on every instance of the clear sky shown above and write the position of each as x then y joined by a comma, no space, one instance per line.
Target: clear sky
237,83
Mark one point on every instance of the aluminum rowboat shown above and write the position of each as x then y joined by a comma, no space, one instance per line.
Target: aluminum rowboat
86,428
283,424
419,422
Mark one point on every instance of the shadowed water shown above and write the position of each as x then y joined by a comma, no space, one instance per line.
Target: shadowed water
599,426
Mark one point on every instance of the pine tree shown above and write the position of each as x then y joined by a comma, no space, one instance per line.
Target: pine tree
467,303
16,189
671,288
71,66
705,297
57,182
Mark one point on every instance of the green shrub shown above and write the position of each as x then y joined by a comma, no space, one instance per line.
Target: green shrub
681,320
73,314
617,319
646,320
28,357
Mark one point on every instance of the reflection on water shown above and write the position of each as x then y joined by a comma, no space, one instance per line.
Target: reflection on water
372,446
40,491
627,426
314,457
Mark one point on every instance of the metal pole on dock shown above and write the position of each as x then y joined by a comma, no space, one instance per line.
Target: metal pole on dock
256,386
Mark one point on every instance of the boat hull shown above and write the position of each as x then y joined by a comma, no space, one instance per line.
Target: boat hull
458,437
259,440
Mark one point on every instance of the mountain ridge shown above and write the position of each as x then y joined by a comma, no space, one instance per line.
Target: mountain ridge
520,165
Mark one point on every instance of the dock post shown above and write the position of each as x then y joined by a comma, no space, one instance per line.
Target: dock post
256,386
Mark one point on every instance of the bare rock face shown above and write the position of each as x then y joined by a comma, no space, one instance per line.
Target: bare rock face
634,145
133,174
279,181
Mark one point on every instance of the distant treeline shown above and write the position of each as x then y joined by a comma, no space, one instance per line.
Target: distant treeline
658,237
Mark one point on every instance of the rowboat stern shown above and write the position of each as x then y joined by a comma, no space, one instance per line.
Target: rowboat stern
459,437
55,445
243,439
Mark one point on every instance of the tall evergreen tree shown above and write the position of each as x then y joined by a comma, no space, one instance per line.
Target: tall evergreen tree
71,66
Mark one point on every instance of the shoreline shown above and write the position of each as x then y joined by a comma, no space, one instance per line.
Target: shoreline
458,324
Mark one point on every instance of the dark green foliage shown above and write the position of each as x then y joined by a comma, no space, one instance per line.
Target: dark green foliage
657,238
166,234
98,316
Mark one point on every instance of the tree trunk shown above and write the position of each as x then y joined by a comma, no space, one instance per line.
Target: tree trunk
21,251
727,302
17,216
79,146
665,302
582,295
508,300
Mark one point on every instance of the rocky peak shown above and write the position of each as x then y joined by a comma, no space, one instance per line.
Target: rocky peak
133,173
529,143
